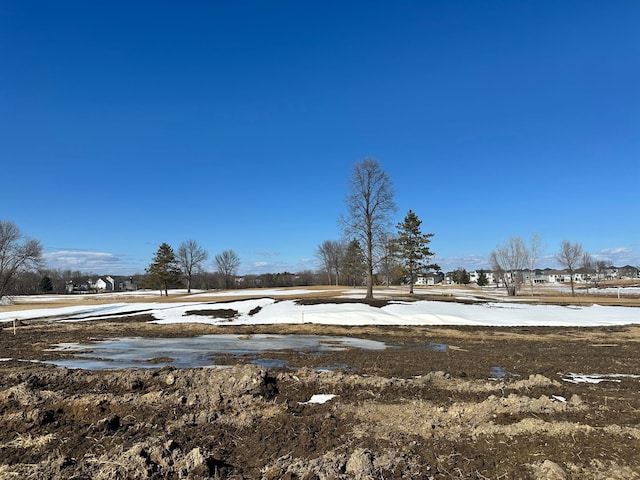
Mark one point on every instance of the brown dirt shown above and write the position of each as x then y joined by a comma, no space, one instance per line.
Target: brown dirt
410,411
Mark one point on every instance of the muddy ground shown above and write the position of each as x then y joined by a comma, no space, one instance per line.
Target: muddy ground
441,403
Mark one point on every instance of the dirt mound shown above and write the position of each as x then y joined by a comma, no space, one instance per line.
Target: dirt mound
109,421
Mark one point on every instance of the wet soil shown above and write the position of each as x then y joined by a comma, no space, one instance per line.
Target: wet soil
439,403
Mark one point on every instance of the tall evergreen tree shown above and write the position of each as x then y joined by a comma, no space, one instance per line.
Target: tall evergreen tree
461,276
413,250
163,272
389,269
354,267
45,285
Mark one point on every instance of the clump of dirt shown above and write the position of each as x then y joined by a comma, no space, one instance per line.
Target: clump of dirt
372,302
227,313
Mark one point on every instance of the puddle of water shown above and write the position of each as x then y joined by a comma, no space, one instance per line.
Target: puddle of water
269,362
439,347
498,373
196,351
333,368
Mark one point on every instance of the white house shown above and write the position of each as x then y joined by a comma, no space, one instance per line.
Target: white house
475,274
106,284
432,278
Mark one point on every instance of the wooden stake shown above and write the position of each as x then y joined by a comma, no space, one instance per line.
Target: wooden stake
14,327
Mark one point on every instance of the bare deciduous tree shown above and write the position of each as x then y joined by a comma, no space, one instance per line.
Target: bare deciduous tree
18,254
331,254
370,204
533,253
601,269
569,256
509,259
190,257
227,264
587,266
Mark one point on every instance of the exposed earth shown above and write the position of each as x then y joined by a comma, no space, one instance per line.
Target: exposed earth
439,403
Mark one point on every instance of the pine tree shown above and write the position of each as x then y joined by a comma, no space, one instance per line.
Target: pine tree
461,276
483,280
412,249
353,264
163,272
45,285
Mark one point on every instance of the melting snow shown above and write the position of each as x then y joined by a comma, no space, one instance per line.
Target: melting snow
268,310
319,399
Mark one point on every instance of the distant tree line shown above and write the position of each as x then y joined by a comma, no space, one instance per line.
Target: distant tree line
515,257
369,253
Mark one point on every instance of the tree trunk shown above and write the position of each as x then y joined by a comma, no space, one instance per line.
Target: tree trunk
573,293
369,285
369,263
531,280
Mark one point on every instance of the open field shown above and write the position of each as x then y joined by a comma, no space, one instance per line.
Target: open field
454,401
620,292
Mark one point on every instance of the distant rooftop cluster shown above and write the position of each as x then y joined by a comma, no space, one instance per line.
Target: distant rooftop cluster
539,276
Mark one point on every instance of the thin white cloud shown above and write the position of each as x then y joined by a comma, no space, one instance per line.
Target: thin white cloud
468,262
618,256
267,254
615,251
87,261
258,267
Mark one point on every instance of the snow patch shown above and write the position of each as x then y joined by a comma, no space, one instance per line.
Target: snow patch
319,399
596,378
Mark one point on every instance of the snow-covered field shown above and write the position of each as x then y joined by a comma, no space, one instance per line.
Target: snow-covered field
271,310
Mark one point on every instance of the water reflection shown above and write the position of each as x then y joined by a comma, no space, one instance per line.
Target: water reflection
269,362
197,351
439,347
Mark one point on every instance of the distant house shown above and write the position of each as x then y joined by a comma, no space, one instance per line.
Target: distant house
491,276
627,272
553,276
81,287
432,278
537,276
107,284
128,285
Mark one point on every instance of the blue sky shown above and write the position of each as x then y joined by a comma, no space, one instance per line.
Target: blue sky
124,124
